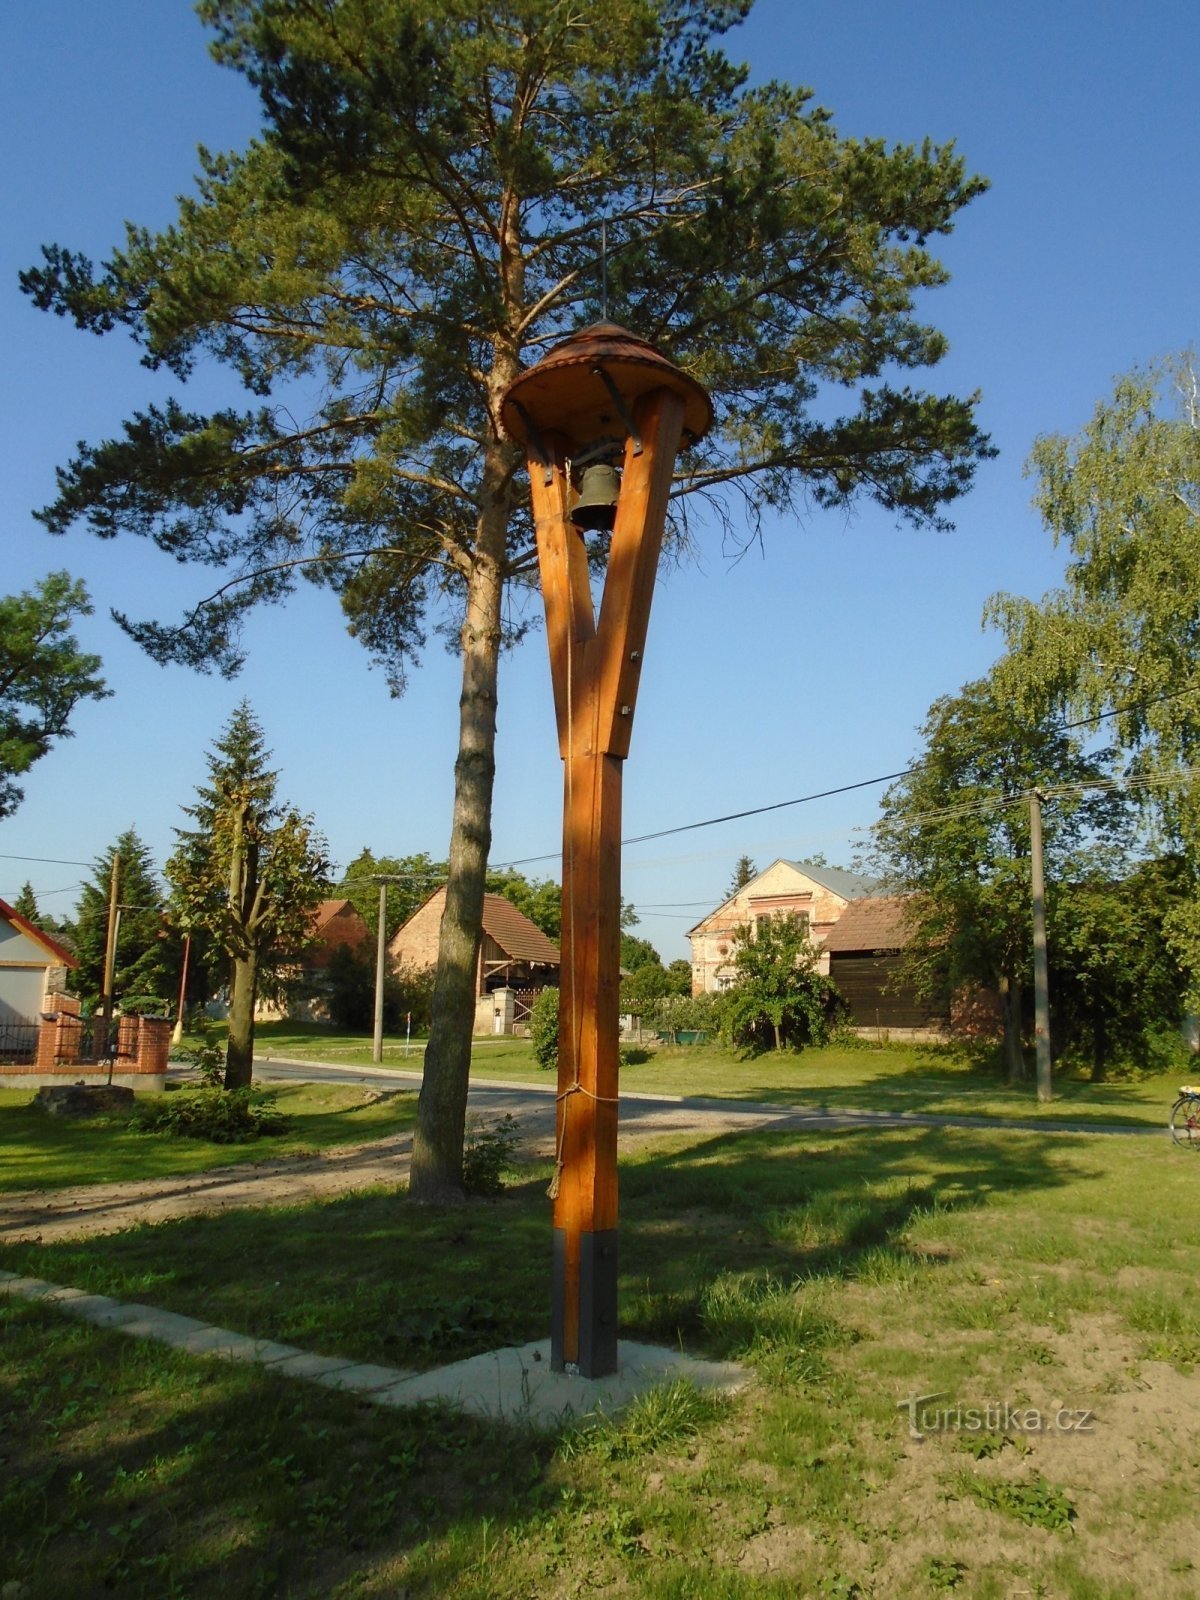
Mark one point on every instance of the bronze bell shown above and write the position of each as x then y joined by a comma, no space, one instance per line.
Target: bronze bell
596,509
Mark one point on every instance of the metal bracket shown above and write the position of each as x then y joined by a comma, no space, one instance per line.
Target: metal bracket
536,440
614,394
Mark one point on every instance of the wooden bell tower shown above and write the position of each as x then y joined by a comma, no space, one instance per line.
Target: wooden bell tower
601,398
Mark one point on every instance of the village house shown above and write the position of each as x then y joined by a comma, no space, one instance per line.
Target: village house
33,971
818,896
516,959
333,925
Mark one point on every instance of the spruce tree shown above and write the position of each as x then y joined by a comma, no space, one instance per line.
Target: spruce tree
248,874
148,948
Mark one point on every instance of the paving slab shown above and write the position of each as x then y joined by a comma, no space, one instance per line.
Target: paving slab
300,1364
517,1384
364,1376
169,1327
27,1288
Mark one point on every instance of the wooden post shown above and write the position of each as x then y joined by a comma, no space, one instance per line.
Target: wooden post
595,668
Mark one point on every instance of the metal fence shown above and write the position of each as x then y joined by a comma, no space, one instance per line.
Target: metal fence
18,1043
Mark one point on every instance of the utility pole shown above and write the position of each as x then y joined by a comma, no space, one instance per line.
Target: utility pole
380,954
1041,966
110,945
382,879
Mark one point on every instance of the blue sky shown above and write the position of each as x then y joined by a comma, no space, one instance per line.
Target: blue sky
805,666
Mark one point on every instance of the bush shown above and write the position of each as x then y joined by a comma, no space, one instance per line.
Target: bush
699,1011
207,1056
224,1116
543,1029
487,1156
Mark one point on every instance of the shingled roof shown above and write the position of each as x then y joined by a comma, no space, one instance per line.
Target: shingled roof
875,923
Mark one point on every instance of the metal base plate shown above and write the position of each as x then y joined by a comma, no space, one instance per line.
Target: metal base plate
597,1353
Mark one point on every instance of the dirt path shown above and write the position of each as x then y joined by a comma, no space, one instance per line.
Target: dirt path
42,1215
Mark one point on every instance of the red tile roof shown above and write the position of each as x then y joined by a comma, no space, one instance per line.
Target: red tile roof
520,939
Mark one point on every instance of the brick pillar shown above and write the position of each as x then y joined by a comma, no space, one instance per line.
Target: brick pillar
47,1045
127,1039
66,1047
153,1045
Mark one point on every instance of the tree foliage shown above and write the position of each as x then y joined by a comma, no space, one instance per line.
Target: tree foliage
778,997
414,225
1115,982
43,676
249,874
744,872
954,838
1120,638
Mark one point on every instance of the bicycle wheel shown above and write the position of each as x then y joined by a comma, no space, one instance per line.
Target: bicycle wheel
1185,1121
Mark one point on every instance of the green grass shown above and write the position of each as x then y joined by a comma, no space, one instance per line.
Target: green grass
42,1152
898,1078
847,1270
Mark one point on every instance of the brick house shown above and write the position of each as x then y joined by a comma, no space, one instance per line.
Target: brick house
333,925
817,895
516,959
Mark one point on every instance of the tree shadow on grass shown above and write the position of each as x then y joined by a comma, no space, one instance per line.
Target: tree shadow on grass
132,1469
779,1207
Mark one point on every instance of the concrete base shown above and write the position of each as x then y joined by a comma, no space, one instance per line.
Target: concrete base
518,1385
154,1082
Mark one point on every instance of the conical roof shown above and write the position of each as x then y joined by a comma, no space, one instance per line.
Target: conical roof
564,393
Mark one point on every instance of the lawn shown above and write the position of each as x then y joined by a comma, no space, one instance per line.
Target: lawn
41,1152
898,1078
1004,1271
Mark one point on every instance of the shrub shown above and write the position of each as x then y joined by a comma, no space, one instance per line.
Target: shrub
207,1055
224,1116
488,1155
675,1011
543,1029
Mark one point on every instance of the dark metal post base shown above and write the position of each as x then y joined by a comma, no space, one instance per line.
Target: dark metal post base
597,1354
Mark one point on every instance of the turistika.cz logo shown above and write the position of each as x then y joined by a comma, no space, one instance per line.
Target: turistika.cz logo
925,1416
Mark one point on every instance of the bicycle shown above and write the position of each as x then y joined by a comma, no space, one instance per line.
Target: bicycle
1185,1117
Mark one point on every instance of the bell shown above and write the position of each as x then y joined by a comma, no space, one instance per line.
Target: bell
596,509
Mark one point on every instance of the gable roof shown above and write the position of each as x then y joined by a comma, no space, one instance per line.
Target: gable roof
517,936
58,955
846,885
849,885
875,923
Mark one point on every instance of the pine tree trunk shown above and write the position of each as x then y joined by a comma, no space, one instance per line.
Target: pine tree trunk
442,1108
243,993
1014,1056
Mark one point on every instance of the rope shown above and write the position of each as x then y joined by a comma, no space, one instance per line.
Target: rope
559,1163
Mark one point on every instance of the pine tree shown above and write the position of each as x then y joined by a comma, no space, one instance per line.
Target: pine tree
417,222
743,873
148,948
248,874
43,676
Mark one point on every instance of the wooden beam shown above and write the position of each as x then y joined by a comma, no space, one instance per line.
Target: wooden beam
633,565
